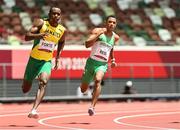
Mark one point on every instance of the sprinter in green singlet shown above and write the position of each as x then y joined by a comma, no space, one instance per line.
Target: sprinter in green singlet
102,41
47,34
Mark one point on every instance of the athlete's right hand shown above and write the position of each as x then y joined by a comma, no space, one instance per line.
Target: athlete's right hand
43,35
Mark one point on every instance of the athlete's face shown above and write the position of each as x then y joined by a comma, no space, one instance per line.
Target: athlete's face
55,15
111,23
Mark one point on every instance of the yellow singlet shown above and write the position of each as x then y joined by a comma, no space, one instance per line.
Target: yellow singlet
43,49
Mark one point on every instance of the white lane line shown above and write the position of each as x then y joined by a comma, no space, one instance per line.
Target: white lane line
42,121
143,115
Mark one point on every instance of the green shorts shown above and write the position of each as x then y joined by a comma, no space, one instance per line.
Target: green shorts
36,67
92,66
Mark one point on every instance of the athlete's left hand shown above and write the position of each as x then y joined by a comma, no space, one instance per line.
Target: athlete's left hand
56,64
113,64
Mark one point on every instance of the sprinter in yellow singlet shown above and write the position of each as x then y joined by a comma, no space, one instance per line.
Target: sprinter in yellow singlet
102,41
46,35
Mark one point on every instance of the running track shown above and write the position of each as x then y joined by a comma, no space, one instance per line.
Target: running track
154,115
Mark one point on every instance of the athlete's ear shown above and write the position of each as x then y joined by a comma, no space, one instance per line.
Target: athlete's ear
49,14
59,21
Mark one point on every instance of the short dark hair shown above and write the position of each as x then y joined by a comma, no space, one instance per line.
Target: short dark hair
110,16
52,8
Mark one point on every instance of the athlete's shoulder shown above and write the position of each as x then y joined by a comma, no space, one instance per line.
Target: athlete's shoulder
116,36
61,27
96,30
38,22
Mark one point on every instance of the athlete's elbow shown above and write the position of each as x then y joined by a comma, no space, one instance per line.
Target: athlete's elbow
26,38
87,44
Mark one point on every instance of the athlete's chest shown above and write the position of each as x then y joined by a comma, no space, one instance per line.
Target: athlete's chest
109,40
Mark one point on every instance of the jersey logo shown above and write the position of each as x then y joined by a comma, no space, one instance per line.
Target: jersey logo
46,46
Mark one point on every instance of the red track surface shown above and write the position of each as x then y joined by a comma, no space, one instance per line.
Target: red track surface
109,116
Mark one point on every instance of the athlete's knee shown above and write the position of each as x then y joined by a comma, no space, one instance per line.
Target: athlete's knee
97,81
42,83
83,88
97,84
26,87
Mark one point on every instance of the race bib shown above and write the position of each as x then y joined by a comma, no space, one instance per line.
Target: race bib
46,46
101,51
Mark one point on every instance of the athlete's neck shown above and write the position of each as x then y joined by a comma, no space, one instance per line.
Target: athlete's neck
52,23
109,33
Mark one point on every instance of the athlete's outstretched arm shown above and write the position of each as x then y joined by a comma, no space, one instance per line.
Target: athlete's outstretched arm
33,33
112,50
60,47
113,61
61,44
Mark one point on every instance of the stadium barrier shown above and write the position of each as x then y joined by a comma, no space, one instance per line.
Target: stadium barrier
151,81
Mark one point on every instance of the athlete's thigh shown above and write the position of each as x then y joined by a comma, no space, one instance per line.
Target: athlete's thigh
88,73
102,68
100,71
87,77
45,68
99,75
45,71
31,70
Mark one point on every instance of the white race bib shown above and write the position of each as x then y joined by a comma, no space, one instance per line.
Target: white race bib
46,46
100,51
